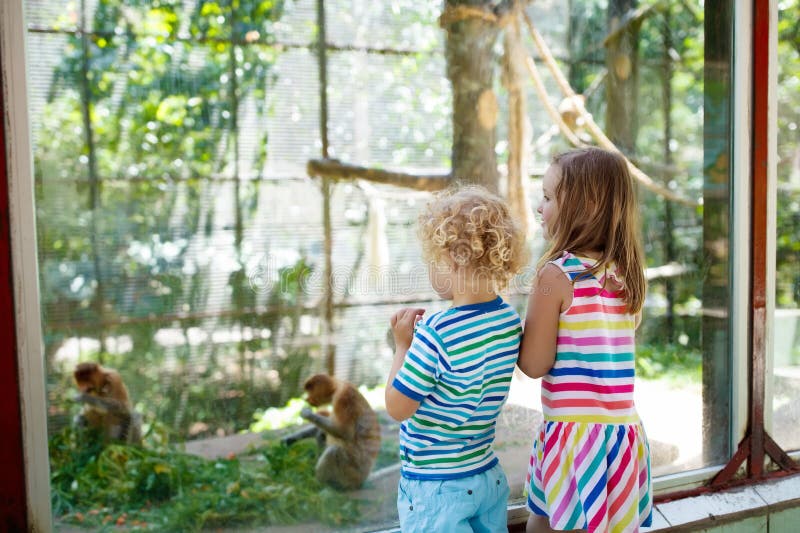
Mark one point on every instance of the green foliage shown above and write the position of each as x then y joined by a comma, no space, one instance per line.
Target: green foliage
669,361
278,417
166,490
281,417
158,106
788,227
673,233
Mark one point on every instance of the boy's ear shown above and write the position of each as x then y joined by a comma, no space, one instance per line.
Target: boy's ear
460,256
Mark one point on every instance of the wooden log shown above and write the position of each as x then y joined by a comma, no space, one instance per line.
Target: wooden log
337,171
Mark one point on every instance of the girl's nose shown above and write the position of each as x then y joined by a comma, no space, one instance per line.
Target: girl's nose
539,209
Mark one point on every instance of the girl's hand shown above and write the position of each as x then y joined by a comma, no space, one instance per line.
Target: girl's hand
403,322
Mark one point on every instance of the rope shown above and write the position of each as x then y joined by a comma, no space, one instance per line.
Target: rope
555,116
591,125
453,14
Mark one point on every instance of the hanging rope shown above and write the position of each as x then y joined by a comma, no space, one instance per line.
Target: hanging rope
452,14
594,130
377,242
555,116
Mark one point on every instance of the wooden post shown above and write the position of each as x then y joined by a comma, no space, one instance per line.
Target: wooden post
469,51
518,126
238,228
327,226
669,240
622,82
98,302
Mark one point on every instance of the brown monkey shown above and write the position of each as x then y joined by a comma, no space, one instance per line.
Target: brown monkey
351,433
106,405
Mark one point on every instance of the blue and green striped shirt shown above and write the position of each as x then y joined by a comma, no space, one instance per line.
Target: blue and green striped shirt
459,368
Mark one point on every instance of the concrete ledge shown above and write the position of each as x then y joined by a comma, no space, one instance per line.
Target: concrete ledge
772,506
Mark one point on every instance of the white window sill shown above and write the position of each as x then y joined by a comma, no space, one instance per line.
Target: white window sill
761,506
772,506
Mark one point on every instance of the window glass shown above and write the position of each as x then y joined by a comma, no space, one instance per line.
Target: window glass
181,241
786,376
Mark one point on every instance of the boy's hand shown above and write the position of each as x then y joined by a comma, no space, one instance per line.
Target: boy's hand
403,323
398,405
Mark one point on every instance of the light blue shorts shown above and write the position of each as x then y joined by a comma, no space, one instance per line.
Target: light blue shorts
476,503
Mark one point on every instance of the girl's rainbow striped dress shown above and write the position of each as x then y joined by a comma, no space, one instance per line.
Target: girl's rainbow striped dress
590,463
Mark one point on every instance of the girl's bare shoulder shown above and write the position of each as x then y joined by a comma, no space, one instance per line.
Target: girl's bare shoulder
552,274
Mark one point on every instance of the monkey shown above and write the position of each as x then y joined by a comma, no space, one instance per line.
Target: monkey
106,405
350,434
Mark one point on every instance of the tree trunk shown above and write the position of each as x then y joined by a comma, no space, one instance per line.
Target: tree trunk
470,69
519,128
669,241
622,82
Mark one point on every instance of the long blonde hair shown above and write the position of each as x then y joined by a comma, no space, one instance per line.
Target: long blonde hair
598,212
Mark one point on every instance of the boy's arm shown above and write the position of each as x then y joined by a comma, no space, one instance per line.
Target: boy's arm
399,405
551,294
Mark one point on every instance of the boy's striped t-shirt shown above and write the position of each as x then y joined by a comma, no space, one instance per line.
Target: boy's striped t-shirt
459,368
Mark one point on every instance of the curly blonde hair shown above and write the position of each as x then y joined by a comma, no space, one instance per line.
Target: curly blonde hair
472,228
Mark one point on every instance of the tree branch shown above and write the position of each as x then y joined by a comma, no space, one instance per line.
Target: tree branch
336,170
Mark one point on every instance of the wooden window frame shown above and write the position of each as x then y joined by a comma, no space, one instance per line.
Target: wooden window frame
25,489
24,414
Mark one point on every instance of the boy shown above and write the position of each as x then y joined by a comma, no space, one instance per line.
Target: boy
452,370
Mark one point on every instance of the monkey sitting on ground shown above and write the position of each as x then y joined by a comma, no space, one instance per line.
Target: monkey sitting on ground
106,405
350,433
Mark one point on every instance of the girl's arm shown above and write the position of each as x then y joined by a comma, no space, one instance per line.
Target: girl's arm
551,294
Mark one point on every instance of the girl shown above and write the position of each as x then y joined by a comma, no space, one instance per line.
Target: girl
590,463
